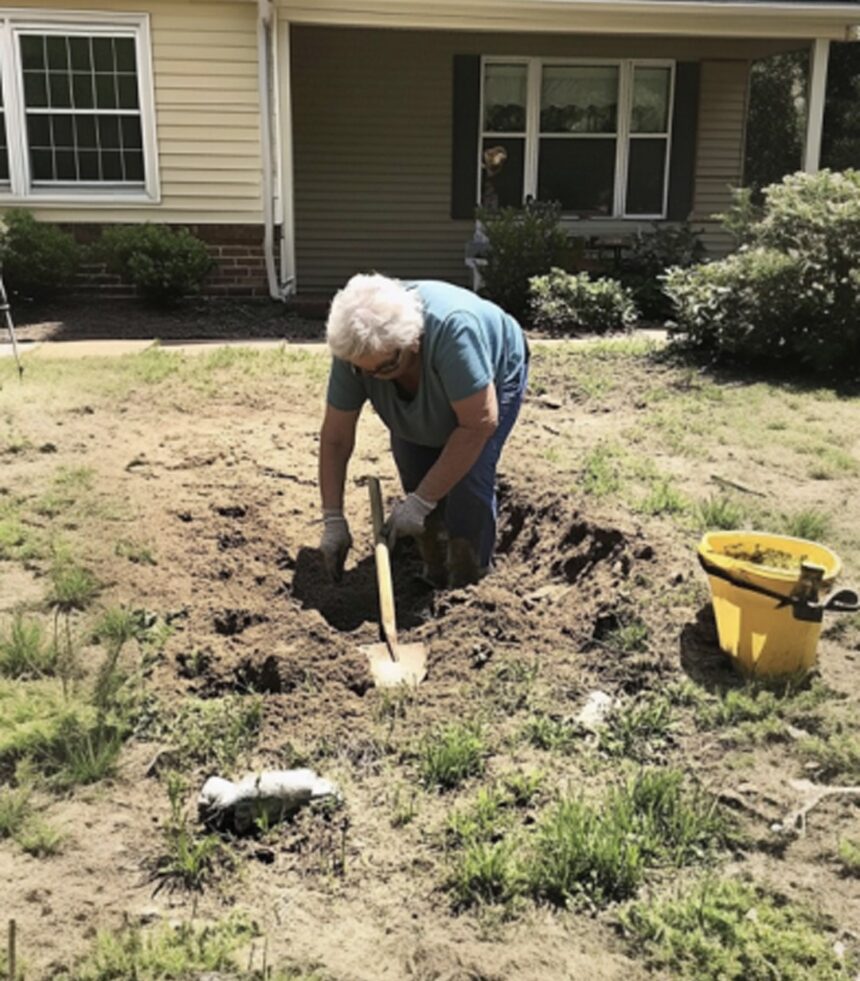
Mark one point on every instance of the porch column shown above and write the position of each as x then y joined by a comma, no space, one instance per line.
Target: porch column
818,57
285,157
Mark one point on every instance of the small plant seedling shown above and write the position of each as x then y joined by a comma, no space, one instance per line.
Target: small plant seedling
135,552
549,733
191,860
40,840
522,787
15,811
451,755
848,855
404,806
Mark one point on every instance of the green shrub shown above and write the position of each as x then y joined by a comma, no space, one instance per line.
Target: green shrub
791,294
38,259
651,254
566,302
523,242
164,264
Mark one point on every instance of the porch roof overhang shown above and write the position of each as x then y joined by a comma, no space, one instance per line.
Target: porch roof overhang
802,19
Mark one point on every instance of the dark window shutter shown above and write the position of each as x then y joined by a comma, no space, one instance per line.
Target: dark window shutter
682,166
464,151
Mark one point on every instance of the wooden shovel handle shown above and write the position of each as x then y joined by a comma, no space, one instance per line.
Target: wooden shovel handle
387,617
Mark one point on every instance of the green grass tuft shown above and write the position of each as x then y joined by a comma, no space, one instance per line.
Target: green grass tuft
216,732
550,733
25,650
451,755
808,523
638,728
836,755
848,854
663,498
73,587
601,472
15,811
721,513
729,930
164,952
40,840
597,853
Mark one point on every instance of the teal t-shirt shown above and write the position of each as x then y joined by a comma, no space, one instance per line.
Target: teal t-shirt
467,343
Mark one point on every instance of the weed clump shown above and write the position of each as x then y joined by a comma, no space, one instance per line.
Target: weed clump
451,755
729,930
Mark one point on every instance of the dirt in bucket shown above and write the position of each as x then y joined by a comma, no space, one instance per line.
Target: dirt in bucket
773,558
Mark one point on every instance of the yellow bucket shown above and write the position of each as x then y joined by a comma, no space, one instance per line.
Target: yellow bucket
769,618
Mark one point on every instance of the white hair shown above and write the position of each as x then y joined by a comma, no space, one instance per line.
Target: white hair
373,314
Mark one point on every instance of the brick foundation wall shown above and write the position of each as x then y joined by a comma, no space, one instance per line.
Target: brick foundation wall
240,267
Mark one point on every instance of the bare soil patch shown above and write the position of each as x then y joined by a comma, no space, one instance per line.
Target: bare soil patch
218,481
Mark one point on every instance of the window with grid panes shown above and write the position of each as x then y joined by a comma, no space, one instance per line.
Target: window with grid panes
594,137
82,107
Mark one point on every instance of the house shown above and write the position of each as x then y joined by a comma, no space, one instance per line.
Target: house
306,139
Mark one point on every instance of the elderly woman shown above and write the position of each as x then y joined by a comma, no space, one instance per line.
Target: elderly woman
445,371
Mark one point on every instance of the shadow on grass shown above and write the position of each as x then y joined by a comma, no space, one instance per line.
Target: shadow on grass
722,371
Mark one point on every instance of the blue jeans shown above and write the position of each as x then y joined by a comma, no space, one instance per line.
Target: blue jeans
470,509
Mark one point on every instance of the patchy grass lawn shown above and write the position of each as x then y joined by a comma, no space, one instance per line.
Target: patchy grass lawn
164,617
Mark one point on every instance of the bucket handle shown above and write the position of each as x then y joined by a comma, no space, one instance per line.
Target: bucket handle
804,606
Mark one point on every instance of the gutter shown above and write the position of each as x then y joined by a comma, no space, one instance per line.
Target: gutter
264,77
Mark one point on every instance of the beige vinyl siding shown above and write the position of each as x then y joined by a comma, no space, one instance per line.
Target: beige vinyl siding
204,57
720,156
372,140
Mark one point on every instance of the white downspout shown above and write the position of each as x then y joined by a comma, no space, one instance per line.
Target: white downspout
264,26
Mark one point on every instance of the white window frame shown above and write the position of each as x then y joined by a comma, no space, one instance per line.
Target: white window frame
623,134
20,187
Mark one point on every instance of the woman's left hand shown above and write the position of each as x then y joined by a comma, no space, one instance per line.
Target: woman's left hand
407,518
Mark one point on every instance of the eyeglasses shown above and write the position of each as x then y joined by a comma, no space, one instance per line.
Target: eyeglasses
381,369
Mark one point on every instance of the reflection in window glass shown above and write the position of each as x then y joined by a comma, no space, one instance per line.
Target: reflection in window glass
83,109
579,173
645,176
579,99
650,112
505,98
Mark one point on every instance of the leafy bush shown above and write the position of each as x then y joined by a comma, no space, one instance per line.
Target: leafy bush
523,242
791,293
566,302
164,264
651,254
38,259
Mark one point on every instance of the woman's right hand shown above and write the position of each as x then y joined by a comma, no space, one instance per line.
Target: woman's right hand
335,543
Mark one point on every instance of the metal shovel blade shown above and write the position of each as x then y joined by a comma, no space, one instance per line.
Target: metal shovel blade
409,669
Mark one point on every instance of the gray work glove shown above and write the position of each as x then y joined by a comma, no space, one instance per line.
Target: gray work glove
335,543
407,518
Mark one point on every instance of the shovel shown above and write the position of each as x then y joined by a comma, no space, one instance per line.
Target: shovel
391,664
